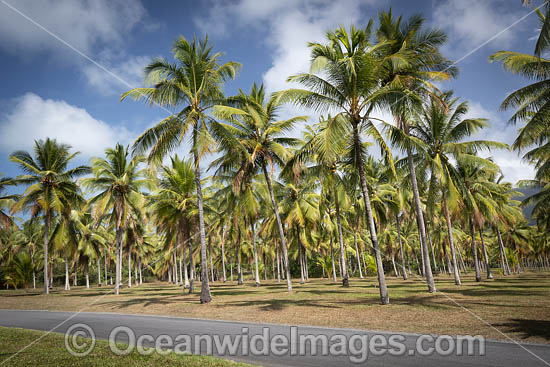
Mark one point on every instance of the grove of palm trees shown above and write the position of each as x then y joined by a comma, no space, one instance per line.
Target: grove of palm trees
382,177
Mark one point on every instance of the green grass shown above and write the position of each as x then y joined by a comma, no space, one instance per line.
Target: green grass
50,351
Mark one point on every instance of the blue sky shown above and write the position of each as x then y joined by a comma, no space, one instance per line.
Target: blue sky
49,89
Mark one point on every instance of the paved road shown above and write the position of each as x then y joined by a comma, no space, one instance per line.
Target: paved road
496,353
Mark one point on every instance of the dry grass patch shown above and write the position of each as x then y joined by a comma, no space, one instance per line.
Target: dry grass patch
518,306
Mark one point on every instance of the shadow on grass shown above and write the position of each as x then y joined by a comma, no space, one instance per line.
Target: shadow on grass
528,328
279,304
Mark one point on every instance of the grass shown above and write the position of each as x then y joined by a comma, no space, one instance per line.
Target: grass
516,307
50,351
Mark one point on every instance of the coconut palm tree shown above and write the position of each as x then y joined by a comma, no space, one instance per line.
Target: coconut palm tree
173,204
438,134
411,61
253,137
118,180
51,187
532,102
325,146
343,77
194,85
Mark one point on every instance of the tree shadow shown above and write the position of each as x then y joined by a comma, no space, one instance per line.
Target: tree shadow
280,304
528,328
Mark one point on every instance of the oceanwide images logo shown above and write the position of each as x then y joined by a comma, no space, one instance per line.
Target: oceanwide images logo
80,341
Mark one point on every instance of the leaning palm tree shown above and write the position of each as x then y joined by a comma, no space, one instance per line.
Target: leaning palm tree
51,186
343,77
194,85
252,141
118,180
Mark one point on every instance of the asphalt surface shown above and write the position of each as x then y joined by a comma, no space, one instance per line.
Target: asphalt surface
501,354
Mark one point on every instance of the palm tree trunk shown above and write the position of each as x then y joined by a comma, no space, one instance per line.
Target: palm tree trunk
224,233
450,238
46,238
503,257
488,268
333,262
231,269
280,227
186,241
120,259
255,249
305,263
302,270
180,268
401,246
136,280
357,255
429,237
205,288
99,271
474,251
345,276
140,278
191,265
86,274
420,219
423,268
278,264
464,270
384,296
211,255
238,255
67,281
118,235
175,267
105,266
129,268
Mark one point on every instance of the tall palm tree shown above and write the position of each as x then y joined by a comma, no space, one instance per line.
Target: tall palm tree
51,187
252,141
412,61
193,84
118,180
438,134
343,77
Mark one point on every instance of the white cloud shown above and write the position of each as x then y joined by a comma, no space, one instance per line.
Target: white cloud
35,118
129,72
80,23
469,23
513,168
290,26
86,25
